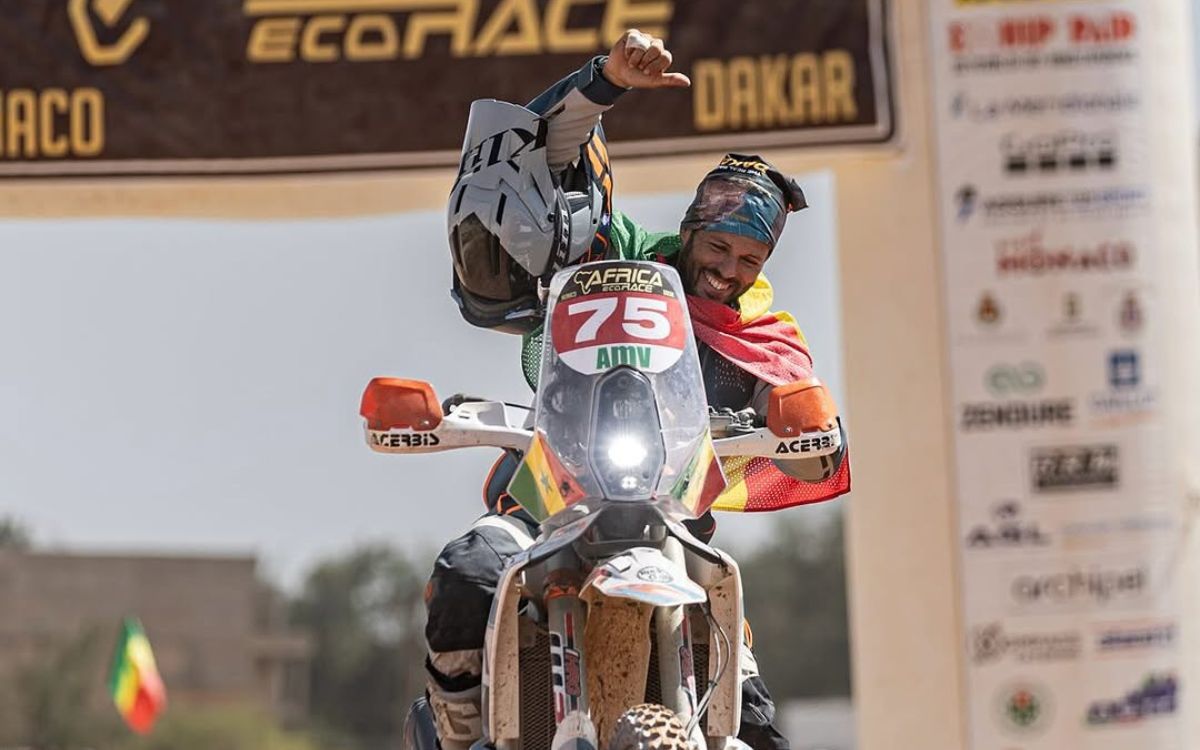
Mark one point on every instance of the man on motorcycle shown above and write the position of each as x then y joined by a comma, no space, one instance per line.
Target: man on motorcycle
727,234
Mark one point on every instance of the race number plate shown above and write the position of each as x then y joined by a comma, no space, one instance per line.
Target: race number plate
618,314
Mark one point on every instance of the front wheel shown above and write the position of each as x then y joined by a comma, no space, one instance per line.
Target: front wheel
649,726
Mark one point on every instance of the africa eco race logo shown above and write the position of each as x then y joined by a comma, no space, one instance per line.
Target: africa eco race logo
1074,467
1155,697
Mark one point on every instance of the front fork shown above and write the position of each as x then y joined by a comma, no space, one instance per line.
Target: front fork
567,616
568,622
676,667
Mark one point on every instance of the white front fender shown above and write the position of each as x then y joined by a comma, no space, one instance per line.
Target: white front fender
643,574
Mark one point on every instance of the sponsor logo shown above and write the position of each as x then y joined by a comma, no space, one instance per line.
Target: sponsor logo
988,311
1120,639
1024,708
1058,412
1075,467
972,3
806,445
1126,394
1050,204
1000,34
1038,40
1029,255
331,31
1065,151
990,643
404,439
1104,533
1024,106
620,279
1072,322
1094,586
1124,370
654,574
1131,316
1007,530
1023,378
1156,696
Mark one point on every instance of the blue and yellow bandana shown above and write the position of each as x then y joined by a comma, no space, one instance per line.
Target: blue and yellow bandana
744,195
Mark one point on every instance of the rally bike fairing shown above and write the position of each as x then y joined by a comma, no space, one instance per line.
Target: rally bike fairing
620,413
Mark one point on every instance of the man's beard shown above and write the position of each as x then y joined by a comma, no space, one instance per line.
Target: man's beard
689,274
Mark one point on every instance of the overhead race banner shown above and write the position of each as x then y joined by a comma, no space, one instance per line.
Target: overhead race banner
1051,232
242,86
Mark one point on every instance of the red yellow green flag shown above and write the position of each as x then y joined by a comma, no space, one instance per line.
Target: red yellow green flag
137,690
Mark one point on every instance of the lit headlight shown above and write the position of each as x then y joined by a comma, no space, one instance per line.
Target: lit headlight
627,451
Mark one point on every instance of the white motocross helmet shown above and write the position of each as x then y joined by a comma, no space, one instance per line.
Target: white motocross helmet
511,224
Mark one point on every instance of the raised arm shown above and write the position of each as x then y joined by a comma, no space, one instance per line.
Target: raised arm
573,106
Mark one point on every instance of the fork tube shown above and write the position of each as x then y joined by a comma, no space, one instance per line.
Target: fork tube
672,632
568,619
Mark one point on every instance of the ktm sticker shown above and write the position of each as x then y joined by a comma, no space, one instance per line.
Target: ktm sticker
594,332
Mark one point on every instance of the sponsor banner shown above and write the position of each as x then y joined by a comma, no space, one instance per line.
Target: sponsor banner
1050,225
157,86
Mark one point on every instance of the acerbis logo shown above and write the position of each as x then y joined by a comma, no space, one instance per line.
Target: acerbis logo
1074,467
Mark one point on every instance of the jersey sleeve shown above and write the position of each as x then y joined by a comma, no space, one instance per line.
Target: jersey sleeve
632,242
572,109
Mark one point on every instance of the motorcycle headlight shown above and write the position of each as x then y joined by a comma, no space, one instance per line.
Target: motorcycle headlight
626,447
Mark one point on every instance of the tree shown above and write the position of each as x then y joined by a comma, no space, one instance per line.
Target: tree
795,597
54,695
365,613
14,535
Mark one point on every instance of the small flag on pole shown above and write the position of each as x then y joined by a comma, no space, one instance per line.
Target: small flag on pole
137,690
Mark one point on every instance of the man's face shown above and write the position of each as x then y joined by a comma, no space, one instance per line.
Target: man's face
720,266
